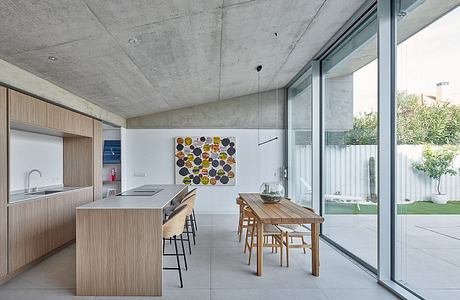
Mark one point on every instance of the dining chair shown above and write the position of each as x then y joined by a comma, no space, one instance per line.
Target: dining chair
243,221
295,231
172,229
270,231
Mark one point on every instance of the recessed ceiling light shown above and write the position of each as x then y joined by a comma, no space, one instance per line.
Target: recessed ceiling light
133,41
52,58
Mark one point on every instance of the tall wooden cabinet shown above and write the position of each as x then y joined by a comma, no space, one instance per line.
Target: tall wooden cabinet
33,228
27,227
3,180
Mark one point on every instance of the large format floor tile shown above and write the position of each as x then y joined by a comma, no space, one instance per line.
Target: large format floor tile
218,269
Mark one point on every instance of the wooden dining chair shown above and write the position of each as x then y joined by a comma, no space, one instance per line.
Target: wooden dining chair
172,229
243,221
290,232
270,232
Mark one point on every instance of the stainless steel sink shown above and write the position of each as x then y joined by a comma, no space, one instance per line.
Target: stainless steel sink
43,192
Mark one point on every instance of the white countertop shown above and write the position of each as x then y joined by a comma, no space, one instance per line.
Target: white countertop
22,196
159,200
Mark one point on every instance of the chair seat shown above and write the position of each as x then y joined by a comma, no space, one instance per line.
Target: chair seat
294,229
269,229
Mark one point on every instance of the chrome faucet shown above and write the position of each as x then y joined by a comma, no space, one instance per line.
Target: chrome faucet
29,190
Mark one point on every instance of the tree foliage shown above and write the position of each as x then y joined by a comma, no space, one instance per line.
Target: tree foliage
437,162
417,123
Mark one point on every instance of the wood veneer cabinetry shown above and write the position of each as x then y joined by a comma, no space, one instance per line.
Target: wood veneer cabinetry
97,159
39,226
61,215
27,109
27,232
68,121
3,181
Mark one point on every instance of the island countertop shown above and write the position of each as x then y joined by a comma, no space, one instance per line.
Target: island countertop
129,199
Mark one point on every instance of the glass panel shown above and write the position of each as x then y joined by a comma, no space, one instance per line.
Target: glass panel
299,141
427,153
350,154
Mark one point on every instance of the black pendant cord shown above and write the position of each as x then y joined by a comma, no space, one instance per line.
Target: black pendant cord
259,143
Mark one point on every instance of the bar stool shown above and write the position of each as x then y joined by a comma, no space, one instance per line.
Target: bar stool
189,203
172,228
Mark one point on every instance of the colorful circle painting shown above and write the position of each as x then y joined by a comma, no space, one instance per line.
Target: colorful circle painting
205,160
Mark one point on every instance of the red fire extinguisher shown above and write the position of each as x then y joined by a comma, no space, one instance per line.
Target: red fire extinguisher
113,175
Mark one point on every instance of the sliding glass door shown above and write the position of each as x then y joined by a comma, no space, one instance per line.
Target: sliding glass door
299,136
349,176
427,242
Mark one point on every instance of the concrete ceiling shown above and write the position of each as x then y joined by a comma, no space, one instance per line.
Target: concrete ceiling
142,56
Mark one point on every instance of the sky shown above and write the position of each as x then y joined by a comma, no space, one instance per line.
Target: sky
430,56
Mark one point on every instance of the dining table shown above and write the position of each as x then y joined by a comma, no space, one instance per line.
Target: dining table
283,212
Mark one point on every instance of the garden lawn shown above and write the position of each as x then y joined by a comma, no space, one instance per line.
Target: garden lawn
416,208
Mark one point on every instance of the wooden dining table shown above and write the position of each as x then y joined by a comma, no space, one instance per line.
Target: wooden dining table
284,212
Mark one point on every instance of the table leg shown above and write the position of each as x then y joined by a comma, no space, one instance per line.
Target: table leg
260,247
315,248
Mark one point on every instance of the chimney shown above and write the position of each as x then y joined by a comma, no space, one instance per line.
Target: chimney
442,91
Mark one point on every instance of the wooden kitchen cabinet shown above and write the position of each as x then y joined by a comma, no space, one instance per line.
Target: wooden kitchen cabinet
27,232
68,121
39,226
60,227
3,181
27,109
61,215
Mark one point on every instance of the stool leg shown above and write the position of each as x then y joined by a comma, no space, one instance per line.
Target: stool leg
183,251
178,263
194,219
188,238
193,228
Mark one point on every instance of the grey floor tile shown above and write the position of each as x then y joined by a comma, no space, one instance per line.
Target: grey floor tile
377,293
267,294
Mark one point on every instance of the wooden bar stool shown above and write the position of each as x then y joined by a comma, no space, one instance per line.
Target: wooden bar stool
173,228
270,231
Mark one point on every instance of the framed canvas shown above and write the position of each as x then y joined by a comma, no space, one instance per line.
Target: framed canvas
205,160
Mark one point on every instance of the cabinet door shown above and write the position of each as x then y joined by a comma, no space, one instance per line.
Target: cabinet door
27,109
60,220
68,121
97,159
3,181
27,232
85,126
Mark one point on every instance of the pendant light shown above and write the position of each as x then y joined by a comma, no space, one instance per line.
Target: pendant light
258,69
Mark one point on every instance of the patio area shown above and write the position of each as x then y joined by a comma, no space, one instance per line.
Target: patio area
428,251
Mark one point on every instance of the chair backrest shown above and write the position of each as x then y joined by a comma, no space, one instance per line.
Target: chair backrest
248,212
175,224
190,203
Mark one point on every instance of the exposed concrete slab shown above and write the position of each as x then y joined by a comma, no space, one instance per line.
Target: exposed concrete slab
180,57
28,25
23,80
187,52
99,65
240,112
248,39
117,15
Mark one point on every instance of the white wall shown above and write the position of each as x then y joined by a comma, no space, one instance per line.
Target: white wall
35,151
151,151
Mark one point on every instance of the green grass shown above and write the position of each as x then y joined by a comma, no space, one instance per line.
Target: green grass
416,208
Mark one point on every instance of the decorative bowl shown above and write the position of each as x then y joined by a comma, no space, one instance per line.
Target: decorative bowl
271,192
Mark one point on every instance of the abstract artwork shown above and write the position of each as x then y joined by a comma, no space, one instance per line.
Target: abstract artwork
205,160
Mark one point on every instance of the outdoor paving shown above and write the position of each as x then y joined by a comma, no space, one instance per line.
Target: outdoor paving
429,247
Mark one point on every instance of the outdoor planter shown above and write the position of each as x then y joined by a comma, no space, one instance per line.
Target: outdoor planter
439,198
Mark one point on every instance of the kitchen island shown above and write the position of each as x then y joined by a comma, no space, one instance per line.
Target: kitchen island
119,242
